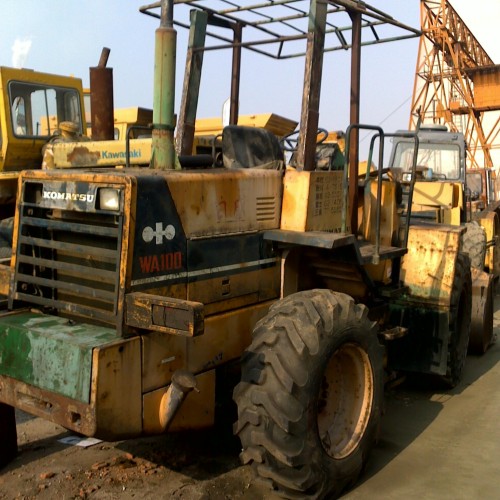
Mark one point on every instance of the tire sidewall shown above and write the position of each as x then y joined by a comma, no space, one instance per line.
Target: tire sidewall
474,244
351,465
278,398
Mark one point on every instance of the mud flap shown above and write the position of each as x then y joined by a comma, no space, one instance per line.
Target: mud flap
425,348
481,328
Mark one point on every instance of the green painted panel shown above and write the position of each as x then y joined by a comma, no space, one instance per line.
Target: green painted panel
50,352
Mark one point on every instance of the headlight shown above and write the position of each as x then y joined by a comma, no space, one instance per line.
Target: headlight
109,199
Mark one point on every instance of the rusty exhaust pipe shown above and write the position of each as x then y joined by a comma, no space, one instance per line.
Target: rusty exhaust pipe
183,382
101,100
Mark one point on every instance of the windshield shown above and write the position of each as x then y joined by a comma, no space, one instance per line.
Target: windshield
437,161
475,184
38,109
483,183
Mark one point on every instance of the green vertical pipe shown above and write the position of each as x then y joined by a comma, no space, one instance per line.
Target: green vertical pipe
163,155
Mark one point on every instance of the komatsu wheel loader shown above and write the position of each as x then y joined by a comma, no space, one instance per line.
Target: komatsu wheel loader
130,289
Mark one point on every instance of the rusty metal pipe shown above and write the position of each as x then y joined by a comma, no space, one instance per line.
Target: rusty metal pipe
101,100
354,117
103,60
183,382
192,78
167,14
309,116
235,75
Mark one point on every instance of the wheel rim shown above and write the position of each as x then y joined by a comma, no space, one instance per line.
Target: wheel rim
345,400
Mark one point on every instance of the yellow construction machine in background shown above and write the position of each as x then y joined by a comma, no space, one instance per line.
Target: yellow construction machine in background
32,104
445,192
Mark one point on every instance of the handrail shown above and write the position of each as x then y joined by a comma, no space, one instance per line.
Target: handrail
381,137
413,176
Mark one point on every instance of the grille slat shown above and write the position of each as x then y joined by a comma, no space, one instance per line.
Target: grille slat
73,227
65,285
103,276
102,253
89,312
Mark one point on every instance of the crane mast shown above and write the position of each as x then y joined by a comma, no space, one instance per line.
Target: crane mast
456,82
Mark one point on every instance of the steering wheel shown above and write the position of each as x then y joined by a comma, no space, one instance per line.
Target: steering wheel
386,170
425,173
289,142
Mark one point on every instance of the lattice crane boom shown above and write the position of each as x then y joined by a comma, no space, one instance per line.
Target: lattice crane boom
456,82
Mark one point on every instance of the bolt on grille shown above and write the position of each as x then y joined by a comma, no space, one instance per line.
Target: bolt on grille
69,261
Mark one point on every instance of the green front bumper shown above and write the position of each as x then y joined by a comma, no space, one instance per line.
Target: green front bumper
50,352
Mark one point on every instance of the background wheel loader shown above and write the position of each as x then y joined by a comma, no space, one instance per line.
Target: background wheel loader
32,104
447,192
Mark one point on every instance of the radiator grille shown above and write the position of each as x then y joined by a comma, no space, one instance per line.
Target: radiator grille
265,208
69,260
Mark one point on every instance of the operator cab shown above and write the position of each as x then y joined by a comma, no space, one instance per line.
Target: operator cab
440,191
440,155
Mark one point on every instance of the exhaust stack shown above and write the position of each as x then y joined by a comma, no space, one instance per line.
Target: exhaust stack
101,100
163,155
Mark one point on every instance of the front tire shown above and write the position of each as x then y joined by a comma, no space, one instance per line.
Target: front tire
310,398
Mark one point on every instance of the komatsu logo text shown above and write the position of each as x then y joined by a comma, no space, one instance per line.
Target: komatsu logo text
54,195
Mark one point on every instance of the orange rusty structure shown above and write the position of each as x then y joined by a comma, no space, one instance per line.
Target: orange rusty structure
456,82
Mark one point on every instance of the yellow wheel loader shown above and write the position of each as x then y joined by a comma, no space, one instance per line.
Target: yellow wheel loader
447,192
32,104
130,290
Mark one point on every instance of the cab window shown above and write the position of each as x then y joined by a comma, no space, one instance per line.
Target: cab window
442,160
38,109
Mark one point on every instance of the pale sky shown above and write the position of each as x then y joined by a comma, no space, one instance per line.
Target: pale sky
66,37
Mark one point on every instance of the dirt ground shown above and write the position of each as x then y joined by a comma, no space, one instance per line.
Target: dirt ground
205,465
195,465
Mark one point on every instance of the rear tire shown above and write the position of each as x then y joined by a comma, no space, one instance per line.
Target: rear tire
8,434
474,244
310,398
460,320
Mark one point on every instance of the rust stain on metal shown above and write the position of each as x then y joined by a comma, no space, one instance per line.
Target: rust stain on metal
81,156
69,413
228,200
